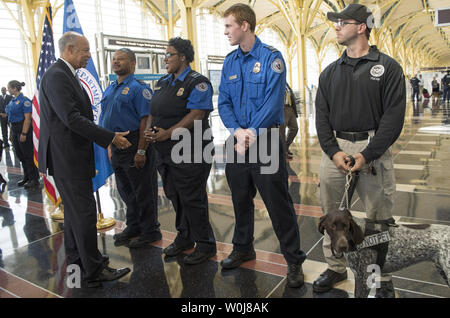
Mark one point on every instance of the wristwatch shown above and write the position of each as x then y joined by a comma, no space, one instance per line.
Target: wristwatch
141,152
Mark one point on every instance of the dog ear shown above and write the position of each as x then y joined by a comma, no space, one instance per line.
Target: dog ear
356,232
322,223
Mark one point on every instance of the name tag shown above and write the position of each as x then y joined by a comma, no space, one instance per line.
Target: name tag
232,77
374,239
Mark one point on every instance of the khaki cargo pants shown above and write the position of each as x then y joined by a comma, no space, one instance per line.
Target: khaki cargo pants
375,192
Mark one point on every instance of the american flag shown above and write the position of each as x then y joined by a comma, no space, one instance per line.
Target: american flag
46,58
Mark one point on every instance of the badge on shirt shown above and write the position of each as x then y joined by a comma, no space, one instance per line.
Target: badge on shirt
377,70
125,90
27,103
202,87
277,66
18,102
180,91
147,95
257,68
232,77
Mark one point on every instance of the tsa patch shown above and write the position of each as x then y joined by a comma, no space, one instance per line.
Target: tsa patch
202,87
377,70
27,103
147,95
277,65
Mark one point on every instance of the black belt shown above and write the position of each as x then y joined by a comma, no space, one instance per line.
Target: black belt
352,136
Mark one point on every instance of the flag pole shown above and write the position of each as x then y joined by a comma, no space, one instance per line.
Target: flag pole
102,222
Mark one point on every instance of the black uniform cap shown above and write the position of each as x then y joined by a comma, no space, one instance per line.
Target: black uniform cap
353,11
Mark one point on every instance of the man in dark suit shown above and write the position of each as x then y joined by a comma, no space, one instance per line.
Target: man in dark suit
67,133
4,100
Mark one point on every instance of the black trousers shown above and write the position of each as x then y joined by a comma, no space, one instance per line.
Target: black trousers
185,186
138,189
24,151
80,220
244,179
4,123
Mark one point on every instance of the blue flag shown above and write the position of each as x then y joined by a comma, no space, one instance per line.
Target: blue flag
89,78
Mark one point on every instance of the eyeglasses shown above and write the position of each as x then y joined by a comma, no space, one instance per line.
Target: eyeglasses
168,54
344,23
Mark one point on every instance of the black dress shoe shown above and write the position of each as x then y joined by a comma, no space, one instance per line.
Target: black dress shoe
21,183
106,275
144,240
176,248
198,256
124,237
327,279
295,277
236,258
31,184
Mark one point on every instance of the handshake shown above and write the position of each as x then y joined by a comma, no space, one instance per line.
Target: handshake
120,141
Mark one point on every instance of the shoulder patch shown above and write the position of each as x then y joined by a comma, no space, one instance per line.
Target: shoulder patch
271,48
202,87
146,93
277,65
27,103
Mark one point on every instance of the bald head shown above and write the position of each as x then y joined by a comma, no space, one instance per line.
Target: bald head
74,48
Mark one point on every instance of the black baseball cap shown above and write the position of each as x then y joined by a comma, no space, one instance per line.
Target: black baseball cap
353,11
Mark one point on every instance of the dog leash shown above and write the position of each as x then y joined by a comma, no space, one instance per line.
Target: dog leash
350,184
345,198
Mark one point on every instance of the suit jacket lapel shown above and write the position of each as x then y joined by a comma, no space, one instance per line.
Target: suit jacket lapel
82,92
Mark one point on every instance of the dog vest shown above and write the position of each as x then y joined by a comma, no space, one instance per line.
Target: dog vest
376,237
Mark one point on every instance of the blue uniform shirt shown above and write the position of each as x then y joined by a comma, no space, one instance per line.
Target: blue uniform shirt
17,107
124,105
200,97
251,91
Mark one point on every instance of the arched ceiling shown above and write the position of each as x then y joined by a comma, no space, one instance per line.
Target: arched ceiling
401,24
405,28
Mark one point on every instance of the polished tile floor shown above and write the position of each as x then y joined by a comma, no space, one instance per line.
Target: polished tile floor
32,263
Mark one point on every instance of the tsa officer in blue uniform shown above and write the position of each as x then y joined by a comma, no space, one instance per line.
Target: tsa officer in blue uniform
19,115
251,96
183,99
125,107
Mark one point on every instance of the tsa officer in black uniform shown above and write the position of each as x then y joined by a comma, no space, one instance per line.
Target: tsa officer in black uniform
125,107
181,98
19,115
360,110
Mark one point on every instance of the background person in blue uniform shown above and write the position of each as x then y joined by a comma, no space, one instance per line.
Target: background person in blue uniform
251,96
19,115
182,97
125,107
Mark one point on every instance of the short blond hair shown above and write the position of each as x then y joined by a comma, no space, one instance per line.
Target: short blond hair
241,13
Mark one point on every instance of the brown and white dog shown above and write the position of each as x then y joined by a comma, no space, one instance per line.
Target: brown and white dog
390,247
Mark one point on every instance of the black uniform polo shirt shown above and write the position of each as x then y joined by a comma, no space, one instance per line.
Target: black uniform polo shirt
358,95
